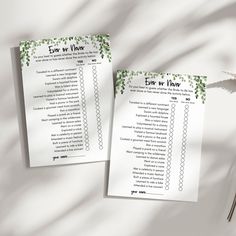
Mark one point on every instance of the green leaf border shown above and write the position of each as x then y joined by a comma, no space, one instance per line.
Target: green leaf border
197,82
99,41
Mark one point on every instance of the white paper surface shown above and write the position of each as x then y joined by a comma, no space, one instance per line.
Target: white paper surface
157,135
68,91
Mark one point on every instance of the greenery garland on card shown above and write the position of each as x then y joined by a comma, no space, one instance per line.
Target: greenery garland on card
100,42
104,45
198,83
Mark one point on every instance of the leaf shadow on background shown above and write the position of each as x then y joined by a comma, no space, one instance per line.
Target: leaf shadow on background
120,17
223,13
186,216
228,85
73,15
17,77
73,209
159,36
222,149
154,41
7,87
31,178
19,184
171,213
165,65
20,178
114,26
185,219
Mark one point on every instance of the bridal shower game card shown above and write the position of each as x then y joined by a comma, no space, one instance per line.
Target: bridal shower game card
157,134
68,93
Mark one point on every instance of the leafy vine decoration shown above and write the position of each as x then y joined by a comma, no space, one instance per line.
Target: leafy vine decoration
100,42
198,83
104,45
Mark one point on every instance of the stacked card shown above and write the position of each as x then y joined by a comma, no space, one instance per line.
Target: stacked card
157,133
68,92
157,125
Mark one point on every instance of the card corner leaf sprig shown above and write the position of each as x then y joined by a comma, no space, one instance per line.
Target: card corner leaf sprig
103,42
200,87
99,41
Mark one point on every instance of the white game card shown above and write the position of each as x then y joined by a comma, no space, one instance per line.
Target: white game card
68,94
157,135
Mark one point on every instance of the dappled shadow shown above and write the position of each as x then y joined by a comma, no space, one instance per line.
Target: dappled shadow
74,14
214,17
20,104
87,212
229,84
214,196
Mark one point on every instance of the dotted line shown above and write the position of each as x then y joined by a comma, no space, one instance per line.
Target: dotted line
84,108
170,144
183,147
97,107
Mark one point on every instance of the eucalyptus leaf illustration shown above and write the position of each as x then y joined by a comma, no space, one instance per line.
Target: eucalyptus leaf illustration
100,42
198,83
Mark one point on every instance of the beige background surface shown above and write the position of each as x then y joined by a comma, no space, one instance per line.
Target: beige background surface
181,36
